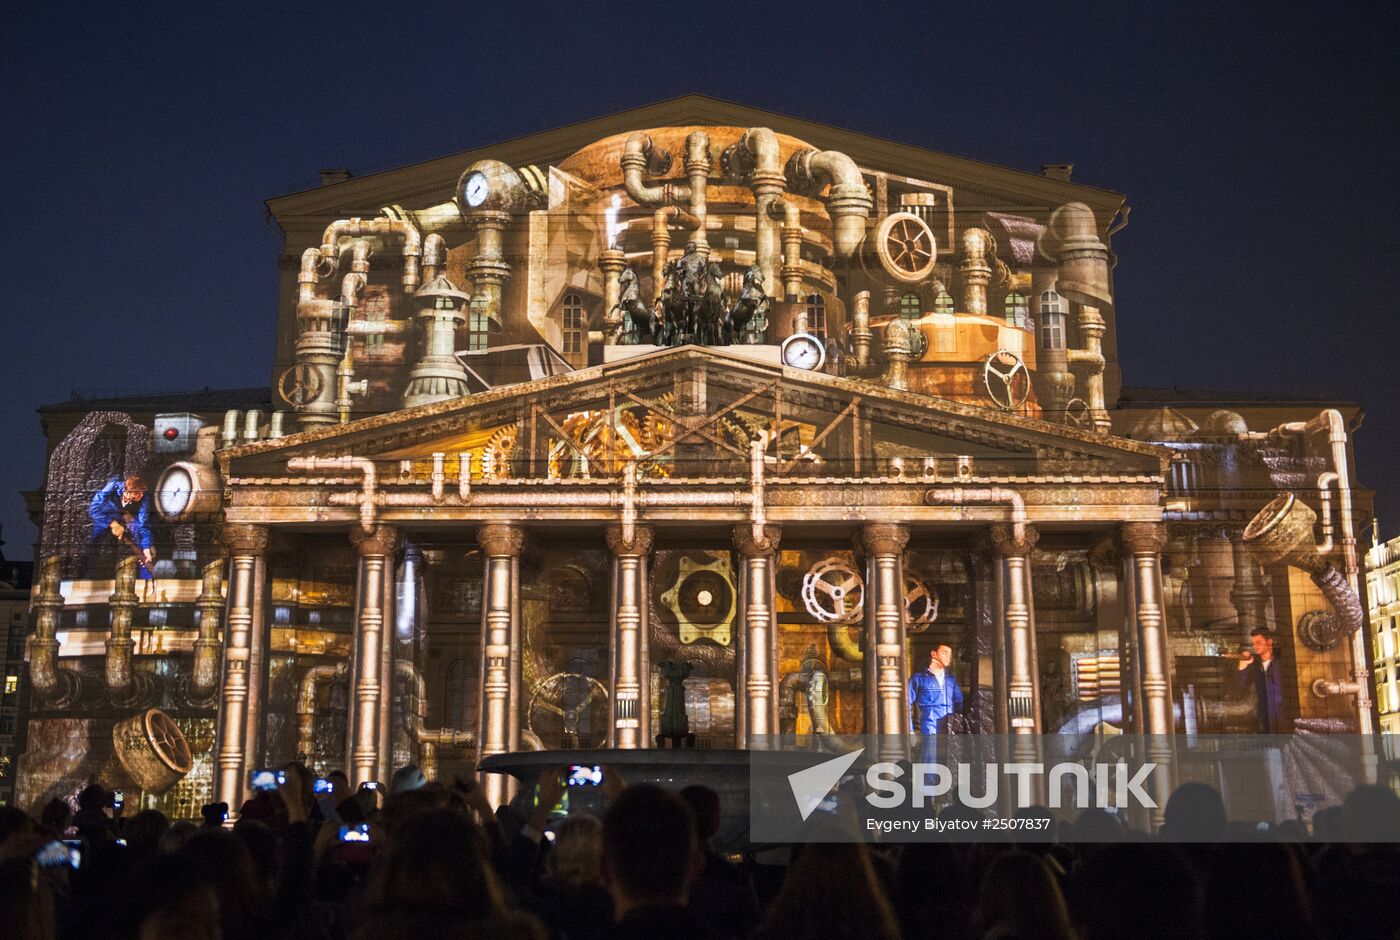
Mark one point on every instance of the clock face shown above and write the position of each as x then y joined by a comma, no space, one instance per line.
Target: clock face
176,488
803,351
476,189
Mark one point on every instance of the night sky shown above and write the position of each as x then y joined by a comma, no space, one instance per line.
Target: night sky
1256,149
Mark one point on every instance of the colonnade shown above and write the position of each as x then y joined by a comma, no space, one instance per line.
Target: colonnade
369,737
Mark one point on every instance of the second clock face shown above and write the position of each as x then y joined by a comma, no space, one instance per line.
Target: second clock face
476,189
176,488
803,351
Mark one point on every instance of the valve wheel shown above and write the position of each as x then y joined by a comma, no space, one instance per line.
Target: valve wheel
1007,380
833,592
920,604
299,385
906,247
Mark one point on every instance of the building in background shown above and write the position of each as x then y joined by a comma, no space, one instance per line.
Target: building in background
14,624
689,382
1383,591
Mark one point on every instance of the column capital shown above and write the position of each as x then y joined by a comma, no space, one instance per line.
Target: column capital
642,539
882,538
749,546
381,540
1006,542
243,538
500,538
1144,538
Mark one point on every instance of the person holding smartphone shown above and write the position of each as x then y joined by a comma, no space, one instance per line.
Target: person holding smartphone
1259,674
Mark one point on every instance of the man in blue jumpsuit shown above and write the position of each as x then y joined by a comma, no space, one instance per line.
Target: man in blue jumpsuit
120,508
934,695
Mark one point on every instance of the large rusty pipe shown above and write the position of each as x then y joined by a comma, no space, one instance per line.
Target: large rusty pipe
848,202
996,495
367,499
382,227
123,604
48,610
204,679
860,328
306,703
755,157
306,276
434,256
792,249
639,155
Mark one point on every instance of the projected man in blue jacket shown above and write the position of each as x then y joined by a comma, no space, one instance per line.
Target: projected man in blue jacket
934,695
120,508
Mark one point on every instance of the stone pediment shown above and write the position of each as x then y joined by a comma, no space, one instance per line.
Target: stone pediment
692,412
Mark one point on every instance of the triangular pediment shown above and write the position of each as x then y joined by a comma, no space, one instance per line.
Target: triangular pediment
709,403
432,181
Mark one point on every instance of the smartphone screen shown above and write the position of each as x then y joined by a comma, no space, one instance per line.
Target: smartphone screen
266,779
358,832
585,775
117,798
57,854
322,785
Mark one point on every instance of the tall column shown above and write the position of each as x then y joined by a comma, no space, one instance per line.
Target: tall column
884,547
1015,549
501,544
760,624
630,607
368,682
1145,541
246,545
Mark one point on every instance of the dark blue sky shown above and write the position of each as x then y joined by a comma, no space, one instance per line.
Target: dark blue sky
1257,149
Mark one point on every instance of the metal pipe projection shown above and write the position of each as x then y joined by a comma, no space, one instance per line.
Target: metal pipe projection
306,703
48,611
204,678
639,155
123,604
755,158
848,201
860,328
380,227
967,496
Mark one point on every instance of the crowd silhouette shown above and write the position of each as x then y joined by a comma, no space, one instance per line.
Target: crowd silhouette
429,859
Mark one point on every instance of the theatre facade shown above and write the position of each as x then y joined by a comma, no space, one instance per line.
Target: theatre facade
697,387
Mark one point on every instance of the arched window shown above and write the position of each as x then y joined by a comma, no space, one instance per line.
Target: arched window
575,327
816,316
943,303
1052,321
909,306
1016,309
458,711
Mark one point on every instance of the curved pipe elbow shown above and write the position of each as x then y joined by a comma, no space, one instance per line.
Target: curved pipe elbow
434,256
368,498
639,156
848,202
307,276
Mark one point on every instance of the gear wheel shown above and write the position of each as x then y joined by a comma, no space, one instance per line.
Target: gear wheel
495,457
558,706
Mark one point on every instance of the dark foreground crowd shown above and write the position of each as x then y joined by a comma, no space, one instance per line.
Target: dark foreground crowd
438,862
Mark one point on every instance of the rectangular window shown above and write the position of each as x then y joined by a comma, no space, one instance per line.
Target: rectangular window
478,323
11,685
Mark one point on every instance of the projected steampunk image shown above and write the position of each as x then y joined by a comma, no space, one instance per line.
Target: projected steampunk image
640,452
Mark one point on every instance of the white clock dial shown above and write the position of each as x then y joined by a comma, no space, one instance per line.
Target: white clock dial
803,351
176,487
476,189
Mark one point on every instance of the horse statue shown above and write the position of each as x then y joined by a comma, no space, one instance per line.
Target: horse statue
692,299
638,324
752,302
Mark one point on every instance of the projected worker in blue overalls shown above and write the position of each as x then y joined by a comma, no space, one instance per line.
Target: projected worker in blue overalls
934,695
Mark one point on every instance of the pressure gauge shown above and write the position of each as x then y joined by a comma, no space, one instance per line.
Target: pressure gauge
186,490
476,189
803,351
